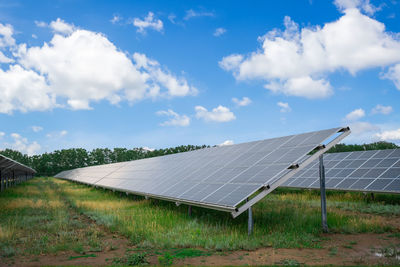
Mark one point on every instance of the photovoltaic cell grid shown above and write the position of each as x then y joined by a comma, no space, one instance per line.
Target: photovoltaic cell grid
7,165
374,170
13,172
218,176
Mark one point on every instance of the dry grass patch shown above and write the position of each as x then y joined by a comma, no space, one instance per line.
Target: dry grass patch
22,203
103,205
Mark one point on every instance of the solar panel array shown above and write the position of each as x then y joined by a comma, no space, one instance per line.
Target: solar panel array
217,177
373,170
13,172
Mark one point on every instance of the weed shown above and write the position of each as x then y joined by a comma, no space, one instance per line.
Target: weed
289,262
166,260
132,259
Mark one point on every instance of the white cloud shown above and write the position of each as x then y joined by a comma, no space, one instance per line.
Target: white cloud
115,19
380,109
34,36
296,61
284,107
146,148
41,24
193,14
364,5
6,35
302,86
148,22
37,129
355,115
77,69
219,32
227,143
175,118
175,86
24,90
393,135
360,128
2,134
23,145
5,59
218,114
60,26
231,62
245,101
394,75
58,134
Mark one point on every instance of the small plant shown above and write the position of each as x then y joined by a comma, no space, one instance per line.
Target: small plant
132,259
390,252
166,259
289,262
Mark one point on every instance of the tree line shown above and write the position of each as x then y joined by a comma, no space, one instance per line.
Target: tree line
49,164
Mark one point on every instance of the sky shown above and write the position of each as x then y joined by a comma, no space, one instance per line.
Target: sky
158,74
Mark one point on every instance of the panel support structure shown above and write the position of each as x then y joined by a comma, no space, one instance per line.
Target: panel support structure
190,210
250,223
323,194
269,188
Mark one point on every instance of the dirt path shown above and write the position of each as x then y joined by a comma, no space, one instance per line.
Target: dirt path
338,249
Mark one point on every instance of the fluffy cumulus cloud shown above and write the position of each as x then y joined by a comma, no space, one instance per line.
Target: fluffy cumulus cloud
245,101
363,5
2,134
6,35
284,107
78,67
227,143
175,118
23,145
60,26
297,61
380,109
355,115
218,114
393,135
149,22
219,32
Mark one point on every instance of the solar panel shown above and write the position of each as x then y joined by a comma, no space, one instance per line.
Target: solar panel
217,177
369,171
13,172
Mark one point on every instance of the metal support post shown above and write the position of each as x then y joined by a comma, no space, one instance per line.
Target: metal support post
323,193
250,223
190,210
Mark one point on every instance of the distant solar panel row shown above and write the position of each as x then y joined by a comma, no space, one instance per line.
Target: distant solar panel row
13,172
217,177
374,170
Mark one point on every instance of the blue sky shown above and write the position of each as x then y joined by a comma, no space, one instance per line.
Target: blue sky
166,73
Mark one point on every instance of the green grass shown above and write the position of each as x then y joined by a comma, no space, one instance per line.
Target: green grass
285,219
43,216
34,220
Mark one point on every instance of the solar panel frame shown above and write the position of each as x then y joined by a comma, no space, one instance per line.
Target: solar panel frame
188,172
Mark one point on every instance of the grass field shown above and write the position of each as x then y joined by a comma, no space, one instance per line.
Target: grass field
50,216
